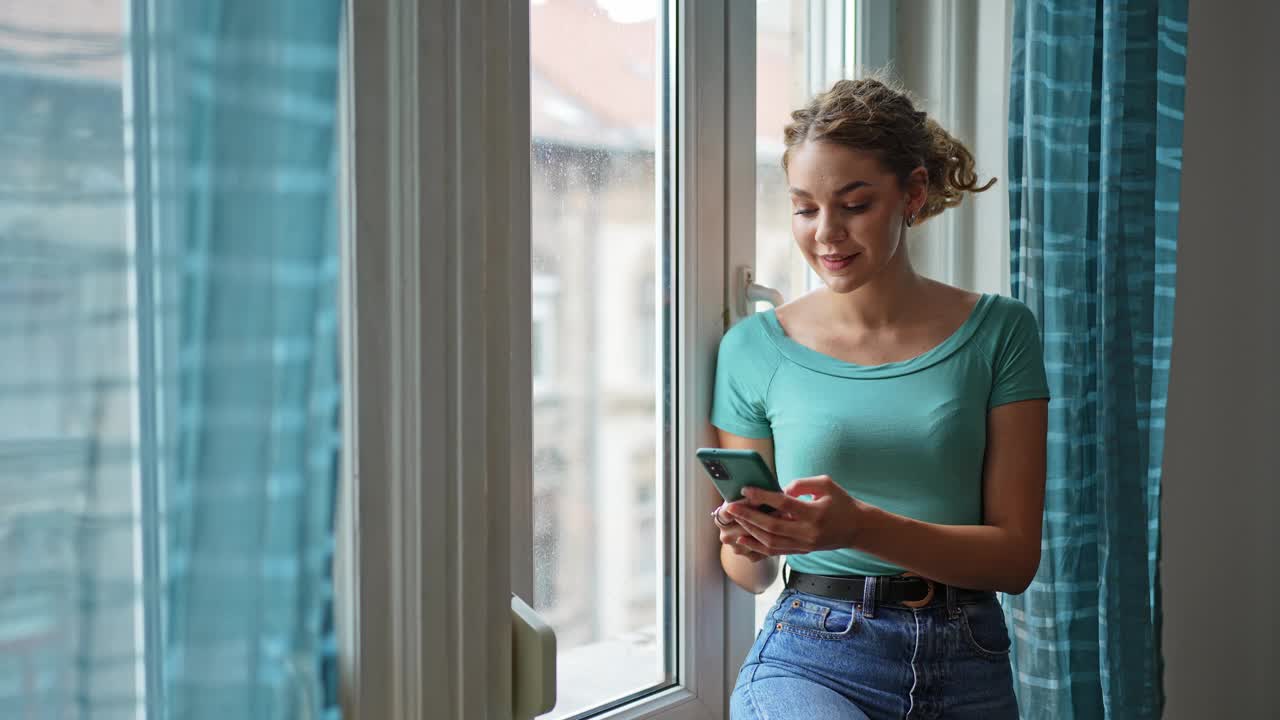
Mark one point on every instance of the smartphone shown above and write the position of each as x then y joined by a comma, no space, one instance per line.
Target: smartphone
732,470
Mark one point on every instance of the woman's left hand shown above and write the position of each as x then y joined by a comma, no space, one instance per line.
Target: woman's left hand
828,522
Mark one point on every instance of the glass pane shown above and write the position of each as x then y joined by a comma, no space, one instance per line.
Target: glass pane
597,79
782,85
169,428
70,617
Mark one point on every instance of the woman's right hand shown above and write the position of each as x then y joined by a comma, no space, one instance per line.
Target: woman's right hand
730,531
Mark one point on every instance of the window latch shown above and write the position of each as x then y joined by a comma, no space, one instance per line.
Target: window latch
534,653
749,292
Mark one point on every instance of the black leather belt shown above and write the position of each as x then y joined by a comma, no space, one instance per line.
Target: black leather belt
910,591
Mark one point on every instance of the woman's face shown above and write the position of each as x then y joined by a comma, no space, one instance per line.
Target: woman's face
847,211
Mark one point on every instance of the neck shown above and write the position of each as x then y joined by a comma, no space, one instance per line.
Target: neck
886,300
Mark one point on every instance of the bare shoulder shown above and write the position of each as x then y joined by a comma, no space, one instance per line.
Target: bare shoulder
951,302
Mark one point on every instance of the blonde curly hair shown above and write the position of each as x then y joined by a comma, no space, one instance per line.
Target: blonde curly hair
875,115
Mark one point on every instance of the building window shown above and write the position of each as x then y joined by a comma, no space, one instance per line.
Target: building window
543,333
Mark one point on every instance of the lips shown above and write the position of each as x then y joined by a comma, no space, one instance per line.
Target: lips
837,262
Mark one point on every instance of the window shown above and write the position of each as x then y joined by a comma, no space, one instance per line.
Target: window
169,432
633,204
68,444
503,430
544,310
598,74
643,539
461,336
647,331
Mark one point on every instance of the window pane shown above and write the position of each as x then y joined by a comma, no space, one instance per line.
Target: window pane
596,75
169,424
70,617
782,85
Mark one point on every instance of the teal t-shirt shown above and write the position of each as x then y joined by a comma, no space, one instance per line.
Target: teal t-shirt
908,437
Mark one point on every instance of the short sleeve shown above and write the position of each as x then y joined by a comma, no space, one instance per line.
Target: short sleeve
744,368
1018,372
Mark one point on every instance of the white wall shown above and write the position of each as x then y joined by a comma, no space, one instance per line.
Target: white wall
1222,460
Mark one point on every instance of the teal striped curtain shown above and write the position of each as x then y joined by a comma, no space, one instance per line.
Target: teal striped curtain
169,379
248,539
1095,148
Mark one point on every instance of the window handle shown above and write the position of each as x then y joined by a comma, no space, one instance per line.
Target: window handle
750,292
533,649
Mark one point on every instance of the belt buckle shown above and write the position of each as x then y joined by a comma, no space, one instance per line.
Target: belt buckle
915,604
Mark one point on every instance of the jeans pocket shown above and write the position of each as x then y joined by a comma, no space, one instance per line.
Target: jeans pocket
815,616
984,630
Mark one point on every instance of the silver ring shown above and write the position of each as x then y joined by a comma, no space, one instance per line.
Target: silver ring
715,518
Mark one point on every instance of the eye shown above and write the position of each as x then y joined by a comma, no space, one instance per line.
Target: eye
804,211
855,208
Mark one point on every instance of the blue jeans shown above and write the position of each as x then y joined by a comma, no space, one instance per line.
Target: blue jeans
818,658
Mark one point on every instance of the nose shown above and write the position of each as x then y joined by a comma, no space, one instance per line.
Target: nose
829,232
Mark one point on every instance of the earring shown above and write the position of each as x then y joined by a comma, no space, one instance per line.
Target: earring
911,220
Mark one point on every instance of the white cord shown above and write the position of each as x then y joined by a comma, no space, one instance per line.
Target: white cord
911,696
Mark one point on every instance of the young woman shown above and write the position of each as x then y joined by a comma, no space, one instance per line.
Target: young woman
906,420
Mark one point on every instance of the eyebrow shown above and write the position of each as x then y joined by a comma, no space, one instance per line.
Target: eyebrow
851,186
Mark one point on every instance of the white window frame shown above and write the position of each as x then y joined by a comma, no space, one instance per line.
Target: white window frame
437,281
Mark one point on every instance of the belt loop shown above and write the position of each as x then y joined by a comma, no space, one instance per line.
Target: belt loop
953,608
869,596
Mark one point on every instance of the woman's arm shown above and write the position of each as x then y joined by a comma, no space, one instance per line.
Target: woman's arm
752,571
1001,554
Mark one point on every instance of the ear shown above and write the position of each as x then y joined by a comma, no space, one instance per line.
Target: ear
917,189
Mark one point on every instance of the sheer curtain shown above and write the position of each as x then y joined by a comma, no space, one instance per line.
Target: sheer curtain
169,431
1095,152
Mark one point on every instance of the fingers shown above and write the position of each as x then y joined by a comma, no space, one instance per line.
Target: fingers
818,486
778,501
760,540
785,525
729,535
740,548
721,519
793,529
734,537
771,543
755,545
752,545
756,535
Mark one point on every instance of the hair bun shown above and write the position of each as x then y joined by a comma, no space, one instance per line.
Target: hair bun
875,114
